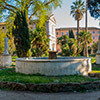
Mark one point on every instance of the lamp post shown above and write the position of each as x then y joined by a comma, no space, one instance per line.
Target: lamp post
86,25
86,17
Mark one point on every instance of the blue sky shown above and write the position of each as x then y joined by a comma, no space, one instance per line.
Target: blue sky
63,18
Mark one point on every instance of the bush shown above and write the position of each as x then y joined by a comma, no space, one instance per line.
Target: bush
2,36
21,34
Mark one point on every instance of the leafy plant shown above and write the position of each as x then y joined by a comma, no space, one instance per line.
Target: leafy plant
95,47
68,46
2,36
39,42
21,34
71,34
85,39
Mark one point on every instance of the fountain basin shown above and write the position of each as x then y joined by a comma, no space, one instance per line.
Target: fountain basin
54,67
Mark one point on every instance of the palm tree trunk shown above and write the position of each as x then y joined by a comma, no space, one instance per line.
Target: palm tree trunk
86,28
84,51
78,43
87,50
78,30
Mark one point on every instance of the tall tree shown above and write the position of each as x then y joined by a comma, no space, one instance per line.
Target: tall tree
33,8
94,8
86,17
21,34
71,34
86,39
2,36
77,11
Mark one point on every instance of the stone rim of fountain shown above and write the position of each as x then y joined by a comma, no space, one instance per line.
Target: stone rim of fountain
46,59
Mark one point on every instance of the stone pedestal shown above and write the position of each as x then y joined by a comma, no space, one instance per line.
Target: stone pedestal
5,60
98,53
98,58
52,55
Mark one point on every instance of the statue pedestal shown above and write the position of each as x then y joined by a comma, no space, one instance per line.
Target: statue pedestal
52,55
98,53
98,58
5,60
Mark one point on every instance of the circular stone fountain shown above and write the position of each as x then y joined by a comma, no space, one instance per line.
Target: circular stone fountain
54,67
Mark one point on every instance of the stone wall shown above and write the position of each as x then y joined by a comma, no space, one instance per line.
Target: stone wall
52,87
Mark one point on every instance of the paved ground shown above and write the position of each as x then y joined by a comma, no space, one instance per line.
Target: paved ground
8,95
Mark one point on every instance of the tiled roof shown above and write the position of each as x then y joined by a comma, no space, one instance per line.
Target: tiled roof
75,28
2,23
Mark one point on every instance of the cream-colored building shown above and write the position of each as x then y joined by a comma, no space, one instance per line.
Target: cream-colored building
51,24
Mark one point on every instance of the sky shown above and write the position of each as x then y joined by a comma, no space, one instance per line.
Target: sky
64,19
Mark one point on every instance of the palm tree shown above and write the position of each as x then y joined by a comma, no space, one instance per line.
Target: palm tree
85,39
86,24
77,11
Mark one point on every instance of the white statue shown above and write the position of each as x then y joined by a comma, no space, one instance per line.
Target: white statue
6,47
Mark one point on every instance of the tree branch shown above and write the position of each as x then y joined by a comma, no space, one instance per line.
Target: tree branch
30,4
18,1
8,9
37,10
10,5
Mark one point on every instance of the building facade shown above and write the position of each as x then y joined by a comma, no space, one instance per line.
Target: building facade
65,31
51,32
3,26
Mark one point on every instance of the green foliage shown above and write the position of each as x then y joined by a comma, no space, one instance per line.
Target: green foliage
78,9
71,34
11,76
85,39
94,8
89,50
39,42
33,8
2,36
93,60
21,34
95,47
68,46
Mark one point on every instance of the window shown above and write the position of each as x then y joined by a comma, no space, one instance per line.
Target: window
76,33
98,37
62,33
3,27
93,32
98,32
93,37
57,33
66,33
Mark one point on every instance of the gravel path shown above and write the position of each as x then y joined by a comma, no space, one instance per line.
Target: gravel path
9,95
